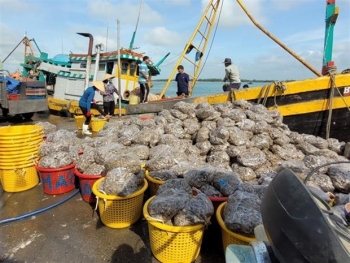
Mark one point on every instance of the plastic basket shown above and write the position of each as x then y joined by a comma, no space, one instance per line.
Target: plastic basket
22,136
97,124
153,184
21,139
12,157
15,144
119,212
19,151
86,181
134,99
9,163
79,120
229,237
9,131
20,179
17,166
173,243
216,200
57,180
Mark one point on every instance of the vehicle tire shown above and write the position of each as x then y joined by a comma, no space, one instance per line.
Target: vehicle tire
28,116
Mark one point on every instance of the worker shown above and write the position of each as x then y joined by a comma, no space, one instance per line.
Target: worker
231,75
86,101
183,81
108,95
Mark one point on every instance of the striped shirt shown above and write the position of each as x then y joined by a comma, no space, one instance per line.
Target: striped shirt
143,68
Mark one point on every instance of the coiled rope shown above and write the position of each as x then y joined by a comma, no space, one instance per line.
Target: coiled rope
279,87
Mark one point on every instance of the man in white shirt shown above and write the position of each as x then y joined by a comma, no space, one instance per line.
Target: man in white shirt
231,75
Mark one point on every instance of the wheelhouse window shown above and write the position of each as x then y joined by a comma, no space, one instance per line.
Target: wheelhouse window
82,65
124,67
109,68
101,67
132,68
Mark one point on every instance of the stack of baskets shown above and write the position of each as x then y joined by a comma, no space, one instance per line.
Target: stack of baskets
19,146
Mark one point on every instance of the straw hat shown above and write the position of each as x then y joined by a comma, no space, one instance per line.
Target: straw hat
99,85
107,76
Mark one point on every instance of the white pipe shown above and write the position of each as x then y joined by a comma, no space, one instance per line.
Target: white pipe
98,47
119,67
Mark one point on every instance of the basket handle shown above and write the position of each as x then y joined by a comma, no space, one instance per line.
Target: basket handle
155,219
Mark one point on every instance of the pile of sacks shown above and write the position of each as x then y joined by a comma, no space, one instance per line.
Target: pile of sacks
240,140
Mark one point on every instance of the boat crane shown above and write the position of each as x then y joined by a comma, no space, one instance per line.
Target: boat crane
202,35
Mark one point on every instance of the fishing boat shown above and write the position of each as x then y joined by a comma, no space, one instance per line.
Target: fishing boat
67,76
318,106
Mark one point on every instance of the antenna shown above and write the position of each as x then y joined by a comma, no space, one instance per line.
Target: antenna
109,5
133,35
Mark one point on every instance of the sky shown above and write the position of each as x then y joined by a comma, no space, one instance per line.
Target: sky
167,25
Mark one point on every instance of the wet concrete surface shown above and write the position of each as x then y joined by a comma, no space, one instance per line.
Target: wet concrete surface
73,231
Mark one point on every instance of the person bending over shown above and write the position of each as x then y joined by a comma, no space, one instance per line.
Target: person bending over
87,100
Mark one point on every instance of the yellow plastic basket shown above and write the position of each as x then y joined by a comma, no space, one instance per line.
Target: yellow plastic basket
79,120
27,139
153,184
97,124
173,243
229,237
12,153
13,145
17,180
19,130
16,157
18,166
116,211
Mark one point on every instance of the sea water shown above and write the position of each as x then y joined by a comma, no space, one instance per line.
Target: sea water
201,88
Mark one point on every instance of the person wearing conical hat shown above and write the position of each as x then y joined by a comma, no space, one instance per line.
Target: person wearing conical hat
108,95
86,101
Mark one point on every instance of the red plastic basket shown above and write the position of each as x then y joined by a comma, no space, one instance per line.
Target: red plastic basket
57,180
86,181
214,199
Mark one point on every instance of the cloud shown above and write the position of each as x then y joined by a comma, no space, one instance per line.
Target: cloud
16,5
287,5
233,16
305,36
179,2
160,36
125,11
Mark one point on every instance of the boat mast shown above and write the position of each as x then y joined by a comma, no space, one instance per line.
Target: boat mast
137,23
209,17
332,12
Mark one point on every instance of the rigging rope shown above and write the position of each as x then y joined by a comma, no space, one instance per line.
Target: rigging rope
332,71
265,90
217,24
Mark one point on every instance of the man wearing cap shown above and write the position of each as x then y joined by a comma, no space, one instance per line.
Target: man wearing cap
85,102
231,75
108,95
143,79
